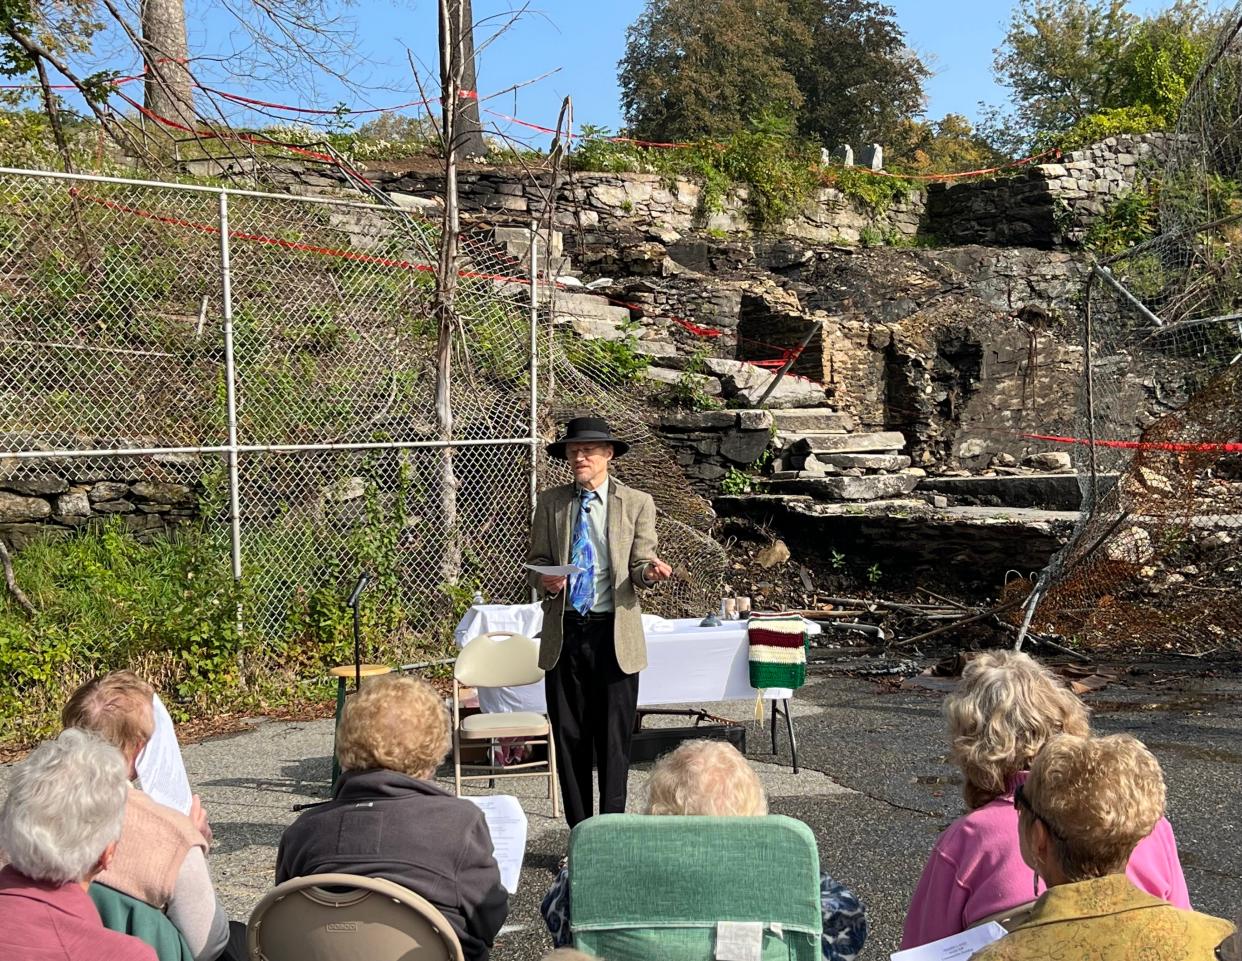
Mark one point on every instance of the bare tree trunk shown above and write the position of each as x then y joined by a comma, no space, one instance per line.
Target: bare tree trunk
446,282
169,89
468,141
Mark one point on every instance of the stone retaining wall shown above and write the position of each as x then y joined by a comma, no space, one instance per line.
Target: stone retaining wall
1047,205
706,444
69,498
666,207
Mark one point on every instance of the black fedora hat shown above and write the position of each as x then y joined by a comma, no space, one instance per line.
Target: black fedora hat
587,430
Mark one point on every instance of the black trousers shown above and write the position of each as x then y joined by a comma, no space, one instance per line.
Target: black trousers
591,706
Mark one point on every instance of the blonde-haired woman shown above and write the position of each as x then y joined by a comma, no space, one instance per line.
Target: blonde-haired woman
1006,708
389,820
1081,813
713,778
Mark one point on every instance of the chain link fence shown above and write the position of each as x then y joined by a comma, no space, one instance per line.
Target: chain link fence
1154,562
243,385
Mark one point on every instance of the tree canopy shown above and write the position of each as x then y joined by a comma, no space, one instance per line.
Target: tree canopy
1090,65
840,70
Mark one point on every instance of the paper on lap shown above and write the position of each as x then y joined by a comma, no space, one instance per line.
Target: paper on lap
507,823
161,772
957,947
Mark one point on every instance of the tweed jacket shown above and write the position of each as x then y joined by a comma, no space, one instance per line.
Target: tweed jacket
631,547
1108,919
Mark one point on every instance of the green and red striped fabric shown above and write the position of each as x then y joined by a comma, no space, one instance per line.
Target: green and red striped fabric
778,645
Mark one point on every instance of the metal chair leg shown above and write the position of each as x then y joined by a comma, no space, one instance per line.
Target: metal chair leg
340,706
773,727
793,741
554,784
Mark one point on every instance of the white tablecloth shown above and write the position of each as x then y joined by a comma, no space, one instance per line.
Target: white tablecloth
686,663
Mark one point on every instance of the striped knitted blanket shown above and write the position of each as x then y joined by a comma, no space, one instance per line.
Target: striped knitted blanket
778,645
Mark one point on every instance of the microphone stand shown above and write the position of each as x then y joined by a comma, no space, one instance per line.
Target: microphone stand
355,599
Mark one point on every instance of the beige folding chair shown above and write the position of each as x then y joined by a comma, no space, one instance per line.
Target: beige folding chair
501,659
347,917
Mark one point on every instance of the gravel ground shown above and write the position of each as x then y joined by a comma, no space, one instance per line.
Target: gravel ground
874,787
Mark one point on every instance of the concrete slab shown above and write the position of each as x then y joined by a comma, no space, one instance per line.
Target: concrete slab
817,419
1062,492
865,461
866,488
831,443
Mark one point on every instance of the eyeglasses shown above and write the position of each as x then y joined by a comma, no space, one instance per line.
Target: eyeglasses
1020,801
593,450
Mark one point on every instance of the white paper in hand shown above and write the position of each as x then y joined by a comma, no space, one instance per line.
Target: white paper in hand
554,570
957,947
161,772
507,823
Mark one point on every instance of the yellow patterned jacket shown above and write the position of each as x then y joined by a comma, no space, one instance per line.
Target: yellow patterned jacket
1108,919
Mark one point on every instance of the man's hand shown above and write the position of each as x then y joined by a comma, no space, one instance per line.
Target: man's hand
198,815
553,585
656,571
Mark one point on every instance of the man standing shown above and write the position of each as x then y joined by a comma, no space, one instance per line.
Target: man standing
593,645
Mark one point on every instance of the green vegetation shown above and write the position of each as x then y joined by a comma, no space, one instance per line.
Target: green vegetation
736,482
779,170
611,363
688,392
1127,221
1082,68
707,69
168,608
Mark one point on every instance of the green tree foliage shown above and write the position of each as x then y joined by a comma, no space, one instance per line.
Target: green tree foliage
858,78
1161,58
940,146
1079,67
702,68
839,69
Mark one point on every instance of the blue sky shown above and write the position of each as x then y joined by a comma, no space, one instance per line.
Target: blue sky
585,39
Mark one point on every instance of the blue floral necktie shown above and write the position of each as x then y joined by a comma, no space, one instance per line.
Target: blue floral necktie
582,586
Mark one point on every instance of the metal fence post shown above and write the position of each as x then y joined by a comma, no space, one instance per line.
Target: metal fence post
230,384
534,371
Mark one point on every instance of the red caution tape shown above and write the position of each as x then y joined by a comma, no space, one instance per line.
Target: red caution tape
267,104
355,256
1179,448
252,139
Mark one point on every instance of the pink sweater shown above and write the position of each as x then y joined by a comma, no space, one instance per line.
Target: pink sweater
976,870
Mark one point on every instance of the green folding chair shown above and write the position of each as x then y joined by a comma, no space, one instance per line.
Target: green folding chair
647,886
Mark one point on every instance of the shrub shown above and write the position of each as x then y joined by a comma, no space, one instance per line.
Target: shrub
1104,124
876,192
611,363
688,391
1127,221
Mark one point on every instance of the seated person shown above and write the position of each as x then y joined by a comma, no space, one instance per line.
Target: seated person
161,858
1005,709
59,828
713,778
389,820
1086,805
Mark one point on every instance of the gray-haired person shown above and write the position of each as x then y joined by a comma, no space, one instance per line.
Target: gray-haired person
58,829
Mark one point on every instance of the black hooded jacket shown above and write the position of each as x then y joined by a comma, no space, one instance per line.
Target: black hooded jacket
382,824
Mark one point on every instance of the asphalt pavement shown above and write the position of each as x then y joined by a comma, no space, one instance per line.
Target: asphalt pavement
874,787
